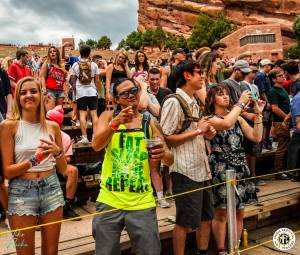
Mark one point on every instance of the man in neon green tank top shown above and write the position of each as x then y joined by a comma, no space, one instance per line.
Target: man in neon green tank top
125,178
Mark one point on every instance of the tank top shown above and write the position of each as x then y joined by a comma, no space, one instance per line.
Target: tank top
55,78
171,81
27,139
125,178
117,74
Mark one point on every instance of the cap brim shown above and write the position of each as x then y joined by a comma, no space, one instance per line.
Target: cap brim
246,70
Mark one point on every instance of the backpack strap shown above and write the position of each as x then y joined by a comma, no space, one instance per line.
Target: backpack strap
145,125
188,116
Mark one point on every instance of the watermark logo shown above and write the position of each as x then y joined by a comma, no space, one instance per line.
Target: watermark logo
17,240
284,239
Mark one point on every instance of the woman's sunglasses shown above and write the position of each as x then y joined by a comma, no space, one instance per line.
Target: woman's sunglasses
132,91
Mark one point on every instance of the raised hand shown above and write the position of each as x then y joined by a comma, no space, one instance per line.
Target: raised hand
125,116
48,147
259,106
245,97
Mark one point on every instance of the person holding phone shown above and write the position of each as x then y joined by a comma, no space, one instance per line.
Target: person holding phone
117,70
251,148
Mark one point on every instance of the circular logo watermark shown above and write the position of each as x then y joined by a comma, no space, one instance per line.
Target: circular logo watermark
284,239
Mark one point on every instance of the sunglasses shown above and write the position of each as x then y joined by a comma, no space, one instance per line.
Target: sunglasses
198,71
133,91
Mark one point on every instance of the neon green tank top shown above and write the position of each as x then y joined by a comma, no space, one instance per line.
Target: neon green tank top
125,178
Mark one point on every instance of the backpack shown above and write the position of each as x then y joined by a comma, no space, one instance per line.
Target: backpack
188,116
85,72
145,127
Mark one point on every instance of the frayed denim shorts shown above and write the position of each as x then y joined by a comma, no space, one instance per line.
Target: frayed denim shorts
34,197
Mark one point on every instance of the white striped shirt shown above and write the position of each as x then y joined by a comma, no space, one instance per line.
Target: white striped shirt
190,158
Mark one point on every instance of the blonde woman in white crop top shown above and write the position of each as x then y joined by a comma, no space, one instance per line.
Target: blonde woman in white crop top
31,150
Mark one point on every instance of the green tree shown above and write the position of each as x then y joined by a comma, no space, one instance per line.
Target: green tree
121,44
294,52
207,30
134,40
92,43
181,42
296,28
158,37
104,43
171,42
147,38
81,42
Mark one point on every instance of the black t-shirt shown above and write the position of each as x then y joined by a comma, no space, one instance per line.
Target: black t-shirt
162,93
280,97
4,90
295,87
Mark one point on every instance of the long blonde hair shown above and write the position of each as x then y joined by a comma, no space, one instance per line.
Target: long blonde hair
17,108
5,63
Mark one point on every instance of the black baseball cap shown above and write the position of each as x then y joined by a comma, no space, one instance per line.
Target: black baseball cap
180,50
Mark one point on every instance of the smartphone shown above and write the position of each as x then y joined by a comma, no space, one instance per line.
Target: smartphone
254,95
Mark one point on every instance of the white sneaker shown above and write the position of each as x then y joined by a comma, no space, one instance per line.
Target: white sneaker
83,140
77,123
163,203
89,123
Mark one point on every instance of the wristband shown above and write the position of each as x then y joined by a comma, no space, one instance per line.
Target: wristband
33,161
241,105
199,131
38,156
59,155
113,126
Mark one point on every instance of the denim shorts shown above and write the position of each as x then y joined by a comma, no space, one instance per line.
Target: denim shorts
34,197
56,93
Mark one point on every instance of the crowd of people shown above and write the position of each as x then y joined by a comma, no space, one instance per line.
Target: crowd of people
174,127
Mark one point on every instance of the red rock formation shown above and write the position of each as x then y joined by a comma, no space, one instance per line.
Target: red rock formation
178,16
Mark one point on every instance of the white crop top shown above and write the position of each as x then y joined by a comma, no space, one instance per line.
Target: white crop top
27,139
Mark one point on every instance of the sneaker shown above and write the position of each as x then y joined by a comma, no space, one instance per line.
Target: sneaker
282,177
163,203
69,213
83,140
260,183
89,123
77,124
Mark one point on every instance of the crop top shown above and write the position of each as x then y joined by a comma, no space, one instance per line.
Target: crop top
27,139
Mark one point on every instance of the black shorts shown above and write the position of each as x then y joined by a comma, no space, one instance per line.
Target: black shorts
194,207
85,103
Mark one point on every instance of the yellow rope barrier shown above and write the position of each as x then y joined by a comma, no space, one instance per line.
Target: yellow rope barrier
167,197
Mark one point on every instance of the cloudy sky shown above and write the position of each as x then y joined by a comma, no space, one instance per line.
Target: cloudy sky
34,21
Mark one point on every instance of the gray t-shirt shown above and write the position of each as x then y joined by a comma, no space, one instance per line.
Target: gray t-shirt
234,88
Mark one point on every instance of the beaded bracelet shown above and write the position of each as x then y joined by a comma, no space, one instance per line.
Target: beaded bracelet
33,161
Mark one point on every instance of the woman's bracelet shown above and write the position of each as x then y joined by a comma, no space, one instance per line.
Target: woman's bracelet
256,123
241,105
113,126
34,161
59,155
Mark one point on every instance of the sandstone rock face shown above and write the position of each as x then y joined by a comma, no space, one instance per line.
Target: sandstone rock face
178,16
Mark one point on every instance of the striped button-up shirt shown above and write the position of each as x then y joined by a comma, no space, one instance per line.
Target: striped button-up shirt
190,158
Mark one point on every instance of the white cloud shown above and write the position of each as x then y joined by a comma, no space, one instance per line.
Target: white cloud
34,21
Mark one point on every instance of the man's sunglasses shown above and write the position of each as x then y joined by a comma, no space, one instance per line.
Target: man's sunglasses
199,71
132,91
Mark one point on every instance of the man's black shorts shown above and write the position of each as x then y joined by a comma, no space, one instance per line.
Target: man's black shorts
194,207
85,103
